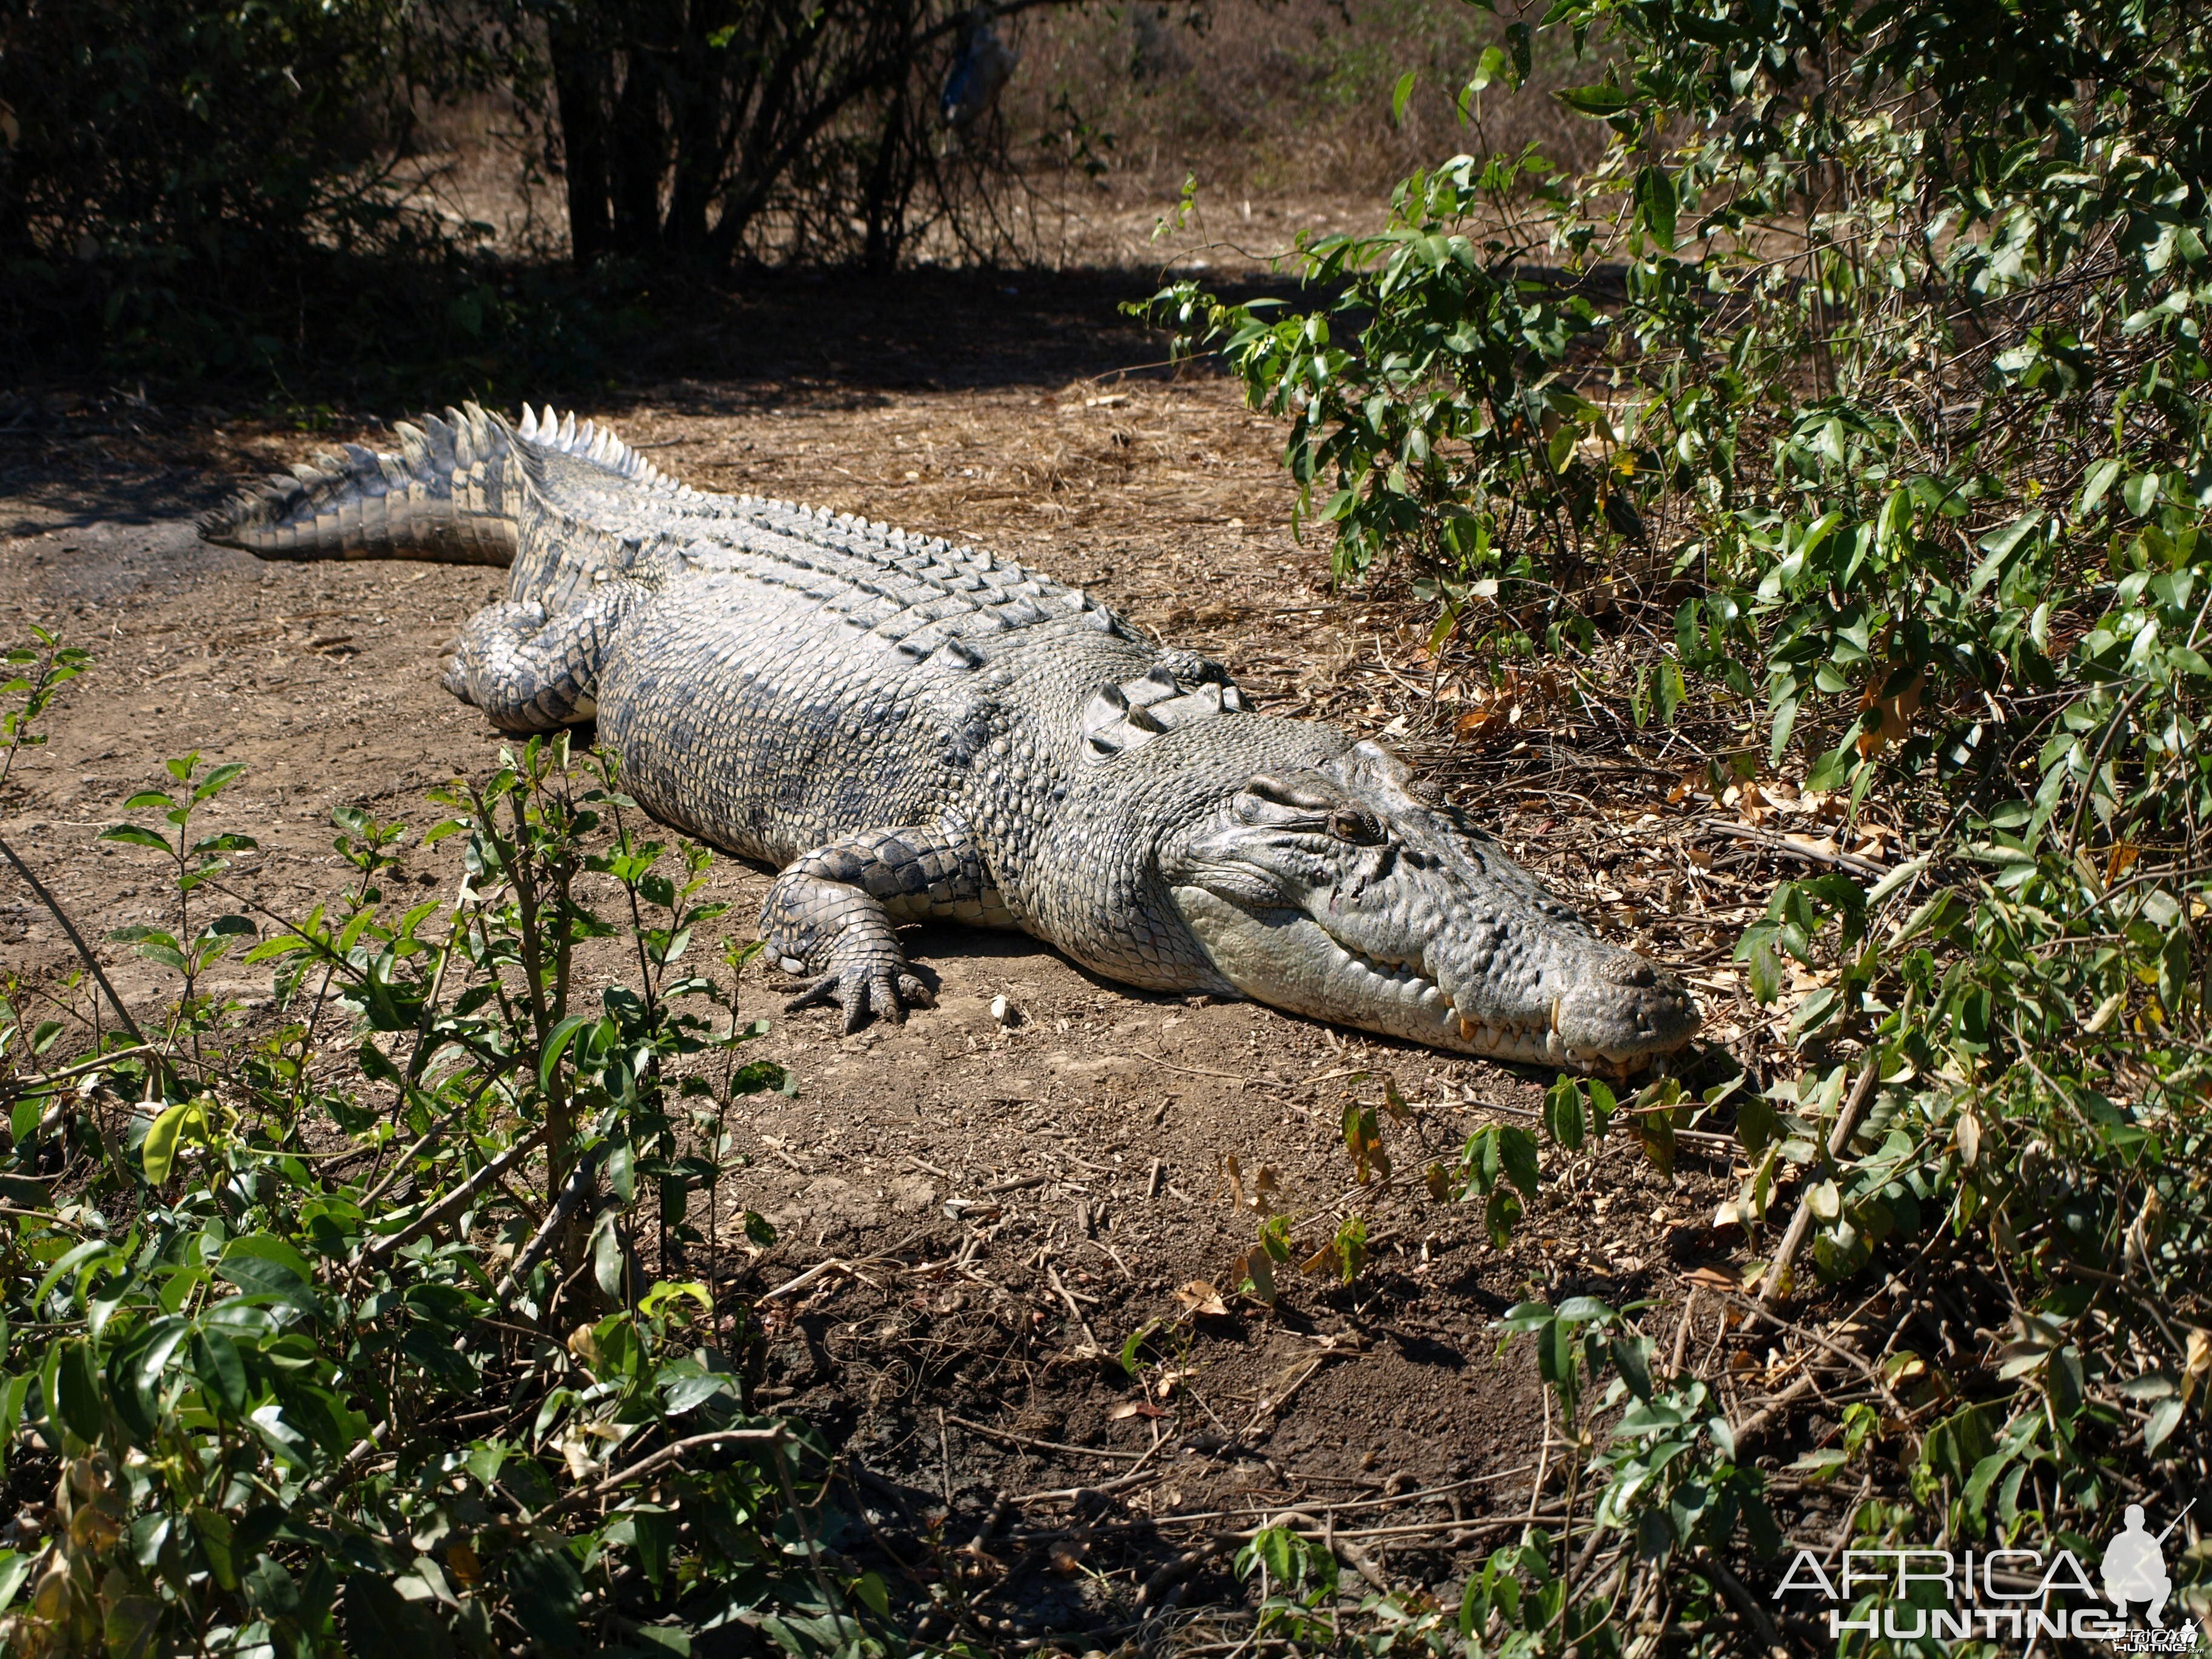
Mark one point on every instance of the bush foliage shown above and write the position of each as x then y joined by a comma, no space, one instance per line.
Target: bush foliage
189,188
1873,353
282,1294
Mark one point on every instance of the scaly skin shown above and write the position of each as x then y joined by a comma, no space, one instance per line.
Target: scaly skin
907,729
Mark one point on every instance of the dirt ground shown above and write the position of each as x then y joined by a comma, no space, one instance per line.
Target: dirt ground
1007,1202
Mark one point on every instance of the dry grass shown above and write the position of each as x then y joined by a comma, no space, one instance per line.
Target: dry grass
1282,98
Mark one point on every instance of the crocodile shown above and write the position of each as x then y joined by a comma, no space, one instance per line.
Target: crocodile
909,729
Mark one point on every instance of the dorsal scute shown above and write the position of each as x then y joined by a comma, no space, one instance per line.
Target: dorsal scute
589,441
902,587
1177,690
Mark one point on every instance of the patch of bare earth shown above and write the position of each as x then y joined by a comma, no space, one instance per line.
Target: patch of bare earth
974,1214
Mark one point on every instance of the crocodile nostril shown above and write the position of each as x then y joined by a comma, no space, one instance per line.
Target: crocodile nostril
1637,974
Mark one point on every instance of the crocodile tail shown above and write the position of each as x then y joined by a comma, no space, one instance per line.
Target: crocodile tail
547,432
450,492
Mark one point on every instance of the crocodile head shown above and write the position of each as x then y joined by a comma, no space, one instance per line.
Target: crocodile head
1337,891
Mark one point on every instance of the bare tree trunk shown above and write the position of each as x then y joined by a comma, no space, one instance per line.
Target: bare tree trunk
640,149
580,74
891,186
701,126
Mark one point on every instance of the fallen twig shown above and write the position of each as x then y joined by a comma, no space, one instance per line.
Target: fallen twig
456,1200
1715,1569
581,1181
608,1484
1847,1123
84,951
1791,846
1175,1569
1011,1438
1074,1312
1119,1483
31,1086
1758,1422
1191,1071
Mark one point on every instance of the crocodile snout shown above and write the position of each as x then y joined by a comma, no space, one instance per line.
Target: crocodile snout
1626,1009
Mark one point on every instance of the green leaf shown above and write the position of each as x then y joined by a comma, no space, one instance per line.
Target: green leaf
261,1265
1555,1360
607,1257
76,1388
13,1394
157,1153
1756,1124
688,1393
1499,1214
1657,205
1563,1113
135,835
1898,876
376,1065
484,1460
1602,99
218,780
549,1593
557,1044
379,1623
1516,1151
14,1568
1520,42
2095,486
267,1247
1135,1345
83,1258
1602,1103
221,1369
2165,1417
1998,545
1632,1357
1397,97
1766,975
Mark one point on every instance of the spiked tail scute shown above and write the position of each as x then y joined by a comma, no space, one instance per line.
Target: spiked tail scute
449,492
594,443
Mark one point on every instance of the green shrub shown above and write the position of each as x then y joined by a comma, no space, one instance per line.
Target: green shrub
1873,354
178,177
332,1332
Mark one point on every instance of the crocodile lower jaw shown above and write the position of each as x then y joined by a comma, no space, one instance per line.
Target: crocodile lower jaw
1495,1037
1285,959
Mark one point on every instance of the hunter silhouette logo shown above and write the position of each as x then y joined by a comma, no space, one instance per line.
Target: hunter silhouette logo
2135,1567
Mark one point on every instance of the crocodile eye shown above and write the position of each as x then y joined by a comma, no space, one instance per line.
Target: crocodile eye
1360,829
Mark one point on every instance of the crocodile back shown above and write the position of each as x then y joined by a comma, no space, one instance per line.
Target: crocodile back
604,510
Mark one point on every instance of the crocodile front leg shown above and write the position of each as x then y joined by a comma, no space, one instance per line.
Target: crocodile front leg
532,672
833,913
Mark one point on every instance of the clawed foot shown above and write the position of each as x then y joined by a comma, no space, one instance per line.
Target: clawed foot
866,989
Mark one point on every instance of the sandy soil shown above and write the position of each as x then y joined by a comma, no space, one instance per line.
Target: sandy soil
1010,1201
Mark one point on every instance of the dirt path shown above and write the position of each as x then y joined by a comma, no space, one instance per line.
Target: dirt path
1013,1200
